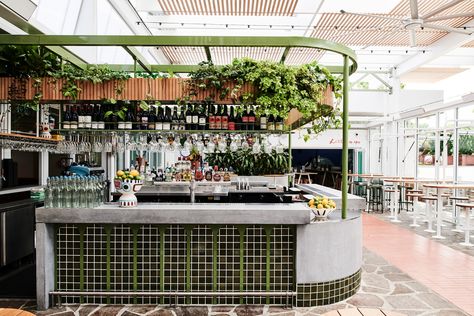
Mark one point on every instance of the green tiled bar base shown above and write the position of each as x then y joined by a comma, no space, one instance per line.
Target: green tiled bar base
174,258
324,293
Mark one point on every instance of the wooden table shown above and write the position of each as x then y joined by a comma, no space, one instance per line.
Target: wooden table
14,312
307,174
362,312
439,209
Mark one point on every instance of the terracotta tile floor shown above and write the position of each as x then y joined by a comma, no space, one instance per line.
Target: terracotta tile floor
446,271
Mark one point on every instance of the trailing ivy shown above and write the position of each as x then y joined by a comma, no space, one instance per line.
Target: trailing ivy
278,88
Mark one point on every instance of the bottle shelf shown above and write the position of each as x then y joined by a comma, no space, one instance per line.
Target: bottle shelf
212,131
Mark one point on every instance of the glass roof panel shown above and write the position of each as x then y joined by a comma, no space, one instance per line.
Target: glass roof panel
225,55
102,54
184,55
303,55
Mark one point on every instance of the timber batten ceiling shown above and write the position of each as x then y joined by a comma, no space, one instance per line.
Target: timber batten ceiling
364,30
229,7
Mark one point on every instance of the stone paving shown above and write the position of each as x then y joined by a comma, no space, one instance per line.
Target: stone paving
452,238
383,286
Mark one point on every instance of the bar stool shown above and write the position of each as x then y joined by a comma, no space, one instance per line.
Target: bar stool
391,201
428,211
467,207
416,207
413,191
375,190
457,199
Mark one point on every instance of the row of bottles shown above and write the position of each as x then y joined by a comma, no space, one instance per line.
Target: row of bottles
74,192
205,116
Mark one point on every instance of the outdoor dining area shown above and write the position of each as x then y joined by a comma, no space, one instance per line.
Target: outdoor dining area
431,203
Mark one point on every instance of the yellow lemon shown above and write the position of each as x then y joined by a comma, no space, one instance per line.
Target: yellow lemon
325,201
120,173
320,206
311,202
134,173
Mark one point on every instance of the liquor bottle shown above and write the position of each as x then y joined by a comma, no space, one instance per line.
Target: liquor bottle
225,118
74,123
129,119
231,123
88,116
195,117
202,117
271,123
159,120
144,120
167,119
245,120
152,118
251,119
80,117
238,121
95,117
279,123
189,117
263,121
182,119
66,118
218,117
101,113
137,122
211,118
175,119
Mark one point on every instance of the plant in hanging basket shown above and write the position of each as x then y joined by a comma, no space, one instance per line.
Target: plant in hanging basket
321,207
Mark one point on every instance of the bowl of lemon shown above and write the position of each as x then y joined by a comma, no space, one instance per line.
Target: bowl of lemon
321,207
128,183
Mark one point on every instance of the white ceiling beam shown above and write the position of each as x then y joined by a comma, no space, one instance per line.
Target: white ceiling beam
437,49
130,17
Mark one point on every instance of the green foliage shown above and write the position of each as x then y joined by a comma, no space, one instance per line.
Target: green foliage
246,163
466,144
279,88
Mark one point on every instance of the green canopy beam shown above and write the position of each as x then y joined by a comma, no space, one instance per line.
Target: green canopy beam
136,55
203,41
285,53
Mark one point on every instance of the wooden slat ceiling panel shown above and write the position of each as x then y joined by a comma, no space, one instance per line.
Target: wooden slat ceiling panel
229,7
225,55
303,55
360,30
184,55
470,44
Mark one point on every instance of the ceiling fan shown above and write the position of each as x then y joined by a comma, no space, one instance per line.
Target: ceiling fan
419,22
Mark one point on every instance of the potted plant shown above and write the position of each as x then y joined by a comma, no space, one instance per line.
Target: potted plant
466,150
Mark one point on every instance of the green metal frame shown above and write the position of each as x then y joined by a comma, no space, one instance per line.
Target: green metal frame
203,41
129,41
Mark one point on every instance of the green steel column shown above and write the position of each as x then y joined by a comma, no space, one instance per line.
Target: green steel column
135,260
108,230
215,236
134,67
268,236
55,248
81,261
345,135
162,262
188,230
242,255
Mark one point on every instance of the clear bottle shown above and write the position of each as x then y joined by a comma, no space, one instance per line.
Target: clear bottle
82,193
48,194
68,193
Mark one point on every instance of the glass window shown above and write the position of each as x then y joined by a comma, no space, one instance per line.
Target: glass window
447,119
466,157
466,116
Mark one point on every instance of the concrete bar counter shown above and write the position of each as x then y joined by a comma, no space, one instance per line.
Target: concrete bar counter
222,253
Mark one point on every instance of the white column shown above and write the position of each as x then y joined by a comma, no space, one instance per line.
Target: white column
43,167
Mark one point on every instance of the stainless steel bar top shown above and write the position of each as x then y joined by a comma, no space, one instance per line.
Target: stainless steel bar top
181,213
354,202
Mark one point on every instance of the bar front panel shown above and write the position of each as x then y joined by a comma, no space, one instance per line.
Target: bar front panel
174,258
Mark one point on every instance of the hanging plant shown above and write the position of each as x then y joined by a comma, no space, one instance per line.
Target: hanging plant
278,88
